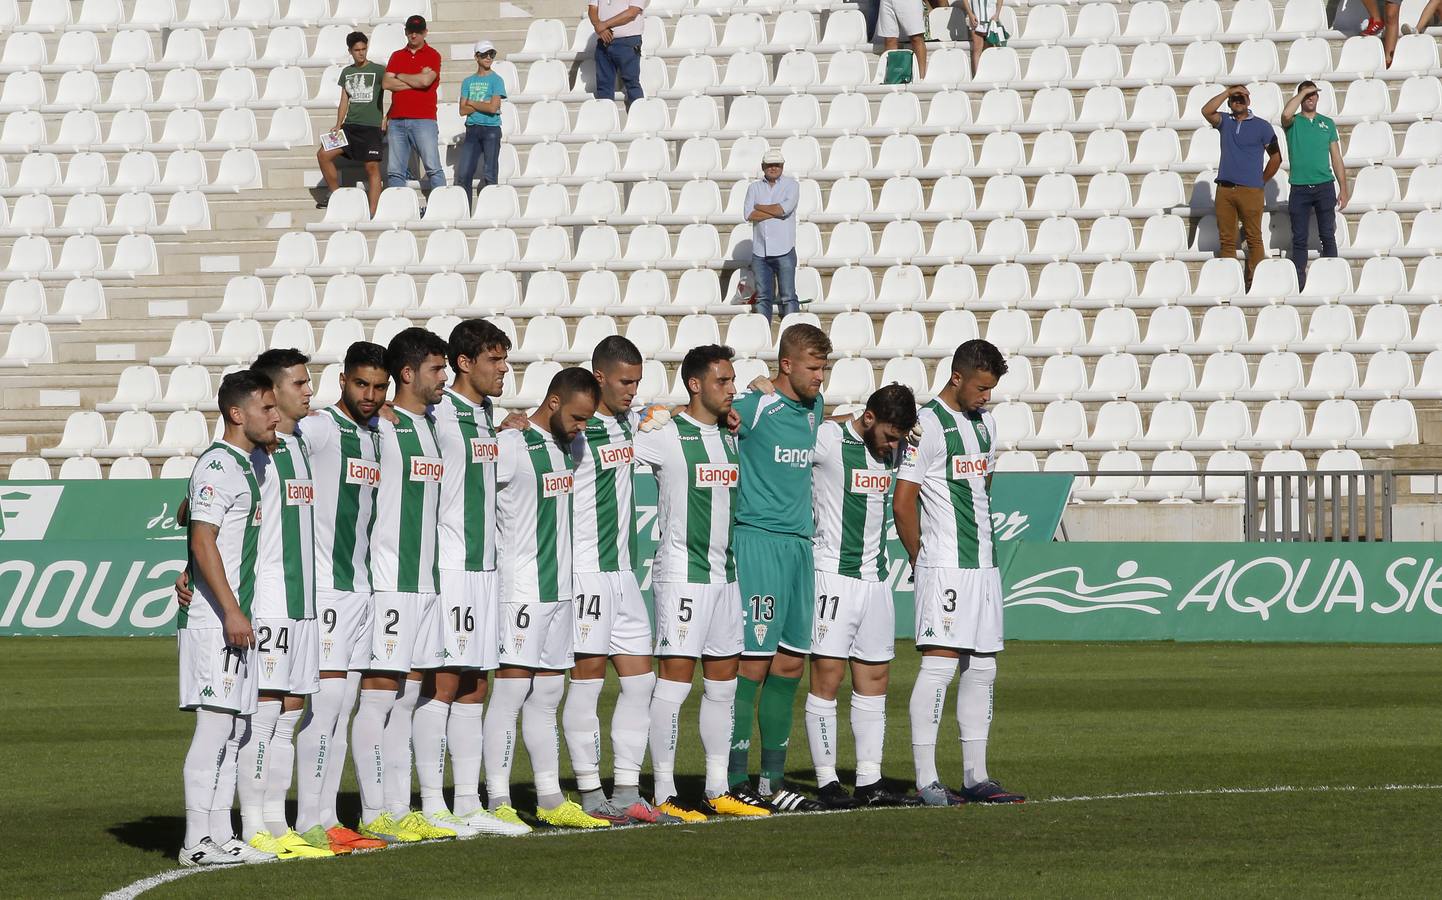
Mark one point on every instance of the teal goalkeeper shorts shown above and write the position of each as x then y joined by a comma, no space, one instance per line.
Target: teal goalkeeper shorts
777,577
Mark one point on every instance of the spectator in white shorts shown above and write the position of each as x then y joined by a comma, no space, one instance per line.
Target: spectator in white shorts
982,16
904,18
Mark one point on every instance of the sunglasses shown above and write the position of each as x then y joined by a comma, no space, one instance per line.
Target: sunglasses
488,54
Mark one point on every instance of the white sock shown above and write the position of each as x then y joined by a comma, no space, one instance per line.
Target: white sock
583,731
430,739
312,746
339,744
665,732
368,750
543,738
508,695
718,711
630,727
222,807
200,771
868,724
397,748
279,768
973,714
928,699
250,767
464,734
821,730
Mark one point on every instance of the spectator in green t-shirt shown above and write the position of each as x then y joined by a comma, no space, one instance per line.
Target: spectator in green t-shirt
359,118
1317,177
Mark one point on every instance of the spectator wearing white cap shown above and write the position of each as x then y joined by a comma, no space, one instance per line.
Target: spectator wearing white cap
771,210
481,96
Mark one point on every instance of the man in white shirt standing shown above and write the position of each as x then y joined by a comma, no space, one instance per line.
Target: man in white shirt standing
618,25
771,210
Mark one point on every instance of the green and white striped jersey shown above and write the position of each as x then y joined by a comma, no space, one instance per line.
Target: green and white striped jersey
225,492
287,534
951,464
851,492
404,538
697,472
468,489
533,504
603,517
345,464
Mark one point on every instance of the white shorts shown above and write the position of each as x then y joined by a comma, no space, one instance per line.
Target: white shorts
900,18
537,635
854,619
405,632
958,608
698,620
611,617
287,652
345,630
213,675
469,605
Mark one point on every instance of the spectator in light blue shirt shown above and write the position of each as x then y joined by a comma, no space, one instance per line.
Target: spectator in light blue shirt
771,210
481,96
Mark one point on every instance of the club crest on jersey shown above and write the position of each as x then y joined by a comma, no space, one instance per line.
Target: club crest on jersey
760,632
460,644
811,420
821,631
614,456
681,631
227,684
729,440
947,622
326,646
362,472
268,664
390,647
484,450
585,629
299,493
519,641
717,475
556,484
865,481
969,466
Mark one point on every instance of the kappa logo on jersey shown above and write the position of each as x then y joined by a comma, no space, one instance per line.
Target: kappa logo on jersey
208,691
362,472
867,482
615,456
717,475
969,466
427,468
299,493
792,456
217,465
555,484
484,450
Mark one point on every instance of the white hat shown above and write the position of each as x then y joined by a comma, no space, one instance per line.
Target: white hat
773,157
484,47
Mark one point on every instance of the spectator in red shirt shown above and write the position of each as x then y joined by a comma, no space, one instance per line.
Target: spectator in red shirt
413,77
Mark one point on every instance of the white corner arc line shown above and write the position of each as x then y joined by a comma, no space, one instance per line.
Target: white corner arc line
135,889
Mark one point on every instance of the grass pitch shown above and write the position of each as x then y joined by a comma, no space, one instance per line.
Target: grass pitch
91,746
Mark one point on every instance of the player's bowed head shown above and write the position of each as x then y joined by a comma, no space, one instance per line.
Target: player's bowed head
976,367
889,416
571,400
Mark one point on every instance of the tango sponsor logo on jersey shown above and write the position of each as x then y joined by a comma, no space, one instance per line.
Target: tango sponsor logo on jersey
614,456
793,456
865,481
554,484
255,515
968,466
717,475
427,468
362,472
299,493
484,450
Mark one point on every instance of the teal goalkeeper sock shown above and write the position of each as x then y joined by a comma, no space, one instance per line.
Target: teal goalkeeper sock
778,699
738,767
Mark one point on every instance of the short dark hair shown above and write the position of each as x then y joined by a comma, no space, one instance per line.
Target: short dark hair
895,405
699,359
803,336
472,337
574,380
236,387
1302,88
615,350
978,355
364,353
410,348
355,37
272,362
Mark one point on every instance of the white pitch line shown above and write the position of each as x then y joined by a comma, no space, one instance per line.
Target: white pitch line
131,891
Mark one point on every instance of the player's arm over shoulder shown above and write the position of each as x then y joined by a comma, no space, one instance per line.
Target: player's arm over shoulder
510,444
649,447
828,439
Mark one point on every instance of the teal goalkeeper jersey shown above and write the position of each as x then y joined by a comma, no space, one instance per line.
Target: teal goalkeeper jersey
777,437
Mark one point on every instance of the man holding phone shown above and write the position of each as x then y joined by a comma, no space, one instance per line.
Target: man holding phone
1241,175
1317,176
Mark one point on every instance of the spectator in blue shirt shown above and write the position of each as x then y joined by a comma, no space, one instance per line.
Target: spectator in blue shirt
771,210
481,96
1242,175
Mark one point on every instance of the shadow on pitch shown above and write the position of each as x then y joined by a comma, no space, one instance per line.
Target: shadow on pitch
159,834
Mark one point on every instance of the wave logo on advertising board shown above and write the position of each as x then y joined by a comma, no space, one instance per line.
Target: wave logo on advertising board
25,513
1066,590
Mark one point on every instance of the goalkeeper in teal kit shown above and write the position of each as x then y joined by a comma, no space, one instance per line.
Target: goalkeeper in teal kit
772,543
